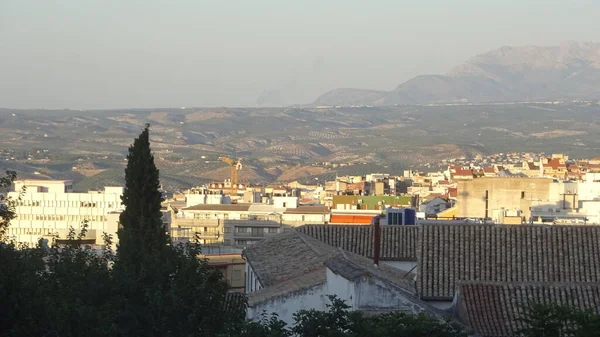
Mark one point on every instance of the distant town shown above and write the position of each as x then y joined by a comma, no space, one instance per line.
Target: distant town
240,225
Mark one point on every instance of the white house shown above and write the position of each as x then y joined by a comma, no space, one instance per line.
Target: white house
293,271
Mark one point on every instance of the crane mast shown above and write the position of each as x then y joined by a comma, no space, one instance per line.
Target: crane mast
234,166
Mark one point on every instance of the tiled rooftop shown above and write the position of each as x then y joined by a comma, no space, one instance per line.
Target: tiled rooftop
293,261
285,256
448,254
398,243
493,309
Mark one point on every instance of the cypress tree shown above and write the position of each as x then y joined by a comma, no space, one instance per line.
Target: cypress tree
142,230
159,289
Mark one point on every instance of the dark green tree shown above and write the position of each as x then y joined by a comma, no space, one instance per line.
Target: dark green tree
339,321
7,206
555,320
160,289
142,227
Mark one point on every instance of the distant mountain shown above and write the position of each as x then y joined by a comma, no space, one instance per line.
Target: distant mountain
568,71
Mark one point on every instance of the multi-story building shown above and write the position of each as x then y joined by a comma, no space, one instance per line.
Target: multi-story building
354,202
534,199
554,167
243,224
49,208
231,264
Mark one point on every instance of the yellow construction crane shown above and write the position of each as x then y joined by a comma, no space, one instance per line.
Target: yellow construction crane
235,167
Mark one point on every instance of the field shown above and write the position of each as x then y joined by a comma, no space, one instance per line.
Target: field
283,144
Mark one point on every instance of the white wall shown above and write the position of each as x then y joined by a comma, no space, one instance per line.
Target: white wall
588,190
314,218
43,214
341,287
195,199
285,202
252,282
49,186
287,306
202,199
374,294
592,211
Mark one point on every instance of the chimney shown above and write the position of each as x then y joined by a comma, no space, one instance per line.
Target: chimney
376,240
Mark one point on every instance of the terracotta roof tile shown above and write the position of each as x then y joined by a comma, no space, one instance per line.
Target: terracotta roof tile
285,256
494,309
235,304
398,243
292,261
555,164
448,254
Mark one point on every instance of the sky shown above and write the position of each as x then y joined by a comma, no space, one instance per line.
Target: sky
105,54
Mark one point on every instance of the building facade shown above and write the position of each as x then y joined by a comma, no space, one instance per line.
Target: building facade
47,209
243,224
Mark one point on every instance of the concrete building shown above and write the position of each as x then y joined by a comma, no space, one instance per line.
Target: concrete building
49,207
243,224
478,198
534,199
354,202
293,271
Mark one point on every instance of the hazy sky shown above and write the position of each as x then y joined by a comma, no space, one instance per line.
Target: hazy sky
84,54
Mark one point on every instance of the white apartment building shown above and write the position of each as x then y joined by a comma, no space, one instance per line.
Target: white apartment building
50,207
243,224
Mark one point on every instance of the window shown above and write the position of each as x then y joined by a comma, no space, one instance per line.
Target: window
272,230
522,194
227,242
227,230
242,229
237,275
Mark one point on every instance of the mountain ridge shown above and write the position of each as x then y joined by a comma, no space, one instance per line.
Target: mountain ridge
570,70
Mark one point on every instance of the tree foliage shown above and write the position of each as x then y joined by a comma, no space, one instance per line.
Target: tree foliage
149,288
7,206
142,229
339,321
152,288
555,320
